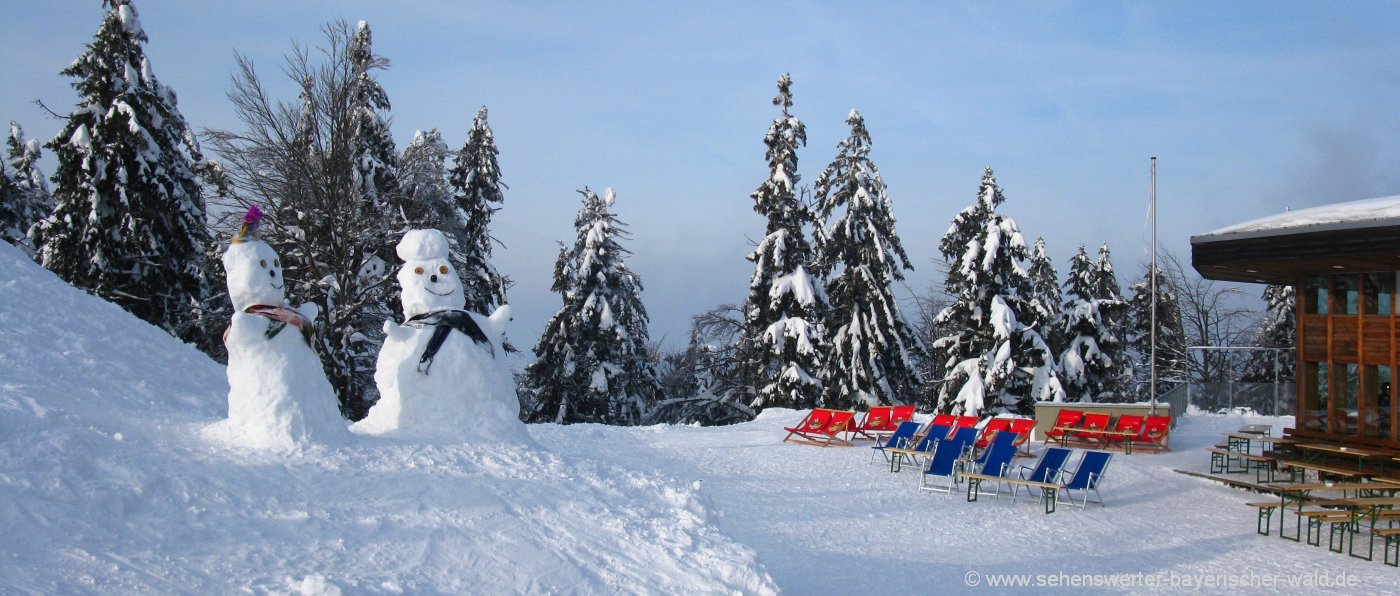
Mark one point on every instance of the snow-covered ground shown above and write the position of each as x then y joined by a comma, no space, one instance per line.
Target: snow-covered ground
108,483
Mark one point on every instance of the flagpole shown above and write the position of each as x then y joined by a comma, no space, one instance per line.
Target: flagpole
1152,391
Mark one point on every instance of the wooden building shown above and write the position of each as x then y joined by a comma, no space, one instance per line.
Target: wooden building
1343,260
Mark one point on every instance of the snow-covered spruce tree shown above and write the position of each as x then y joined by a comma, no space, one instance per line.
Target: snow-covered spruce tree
593,362
26,198
324,170
1171,339
1277,329
478,192
1091,364
992,360
427,199
873,350
783,339
1044,297
129,219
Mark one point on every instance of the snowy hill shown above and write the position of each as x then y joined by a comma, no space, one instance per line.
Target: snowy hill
108,484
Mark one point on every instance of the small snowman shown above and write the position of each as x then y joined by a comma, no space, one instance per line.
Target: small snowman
441,373
278,393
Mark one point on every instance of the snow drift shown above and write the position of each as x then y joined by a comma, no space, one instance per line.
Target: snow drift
107,484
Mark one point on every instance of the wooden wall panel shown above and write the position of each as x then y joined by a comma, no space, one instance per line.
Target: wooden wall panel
1375,340
1344,339
1314,337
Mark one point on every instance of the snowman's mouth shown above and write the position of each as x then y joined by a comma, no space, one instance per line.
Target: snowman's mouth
430,291
275,286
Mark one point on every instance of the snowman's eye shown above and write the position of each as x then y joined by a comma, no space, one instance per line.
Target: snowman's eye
443,269
263,263
276,262
418,270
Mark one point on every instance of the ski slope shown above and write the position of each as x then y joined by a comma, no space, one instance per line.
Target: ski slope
110,483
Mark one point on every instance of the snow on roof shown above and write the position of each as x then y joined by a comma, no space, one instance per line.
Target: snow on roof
1368,213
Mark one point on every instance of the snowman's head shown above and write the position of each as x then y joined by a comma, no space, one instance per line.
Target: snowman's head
428,281
254,274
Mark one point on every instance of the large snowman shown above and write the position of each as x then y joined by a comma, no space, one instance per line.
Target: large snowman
441,374
278,393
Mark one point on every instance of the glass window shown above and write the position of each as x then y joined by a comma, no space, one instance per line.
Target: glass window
1345,294
1314,412
1315,295
1383,392
1378,292
1368,412
1345,409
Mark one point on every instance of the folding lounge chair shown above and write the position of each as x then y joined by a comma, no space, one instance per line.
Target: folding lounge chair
822,427
1093,421
990,430
967,422
877,419
1022,427
1154,433
1130,426
1086,477
993,467
933,434
1064,419
1003,438
1047,471
947,420
903,435
901,413
945,458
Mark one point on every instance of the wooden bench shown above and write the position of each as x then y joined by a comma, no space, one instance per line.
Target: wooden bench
1297,469
1049,492
1220,463
1391,554
1266,513
1338,523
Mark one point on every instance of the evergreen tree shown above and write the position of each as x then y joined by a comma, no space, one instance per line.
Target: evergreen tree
593,362
992,359
1091,365
325,171
427,199
129,220
1044,297
1278,329
478,193
783,333
24,195
1171,338
871,359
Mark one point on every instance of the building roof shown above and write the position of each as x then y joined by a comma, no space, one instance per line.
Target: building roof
1355,236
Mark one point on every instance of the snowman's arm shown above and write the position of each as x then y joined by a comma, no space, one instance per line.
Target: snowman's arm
393,330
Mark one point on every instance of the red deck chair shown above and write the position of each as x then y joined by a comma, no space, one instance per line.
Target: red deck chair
944,420
1022,427
966,422
1154,433
899,414
1094,421
994,426
1127,423
823,427
878,419
1064,419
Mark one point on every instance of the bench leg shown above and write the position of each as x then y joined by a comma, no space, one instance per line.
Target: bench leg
1265,521
1216,465
1335,539
1051,496
1314,531
1370,544
973,487
1391,554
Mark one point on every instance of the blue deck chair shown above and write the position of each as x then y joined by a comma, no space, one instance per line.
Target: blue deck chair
1002,438
903,435
1046,470
1087,476
995,462
932,435
945,460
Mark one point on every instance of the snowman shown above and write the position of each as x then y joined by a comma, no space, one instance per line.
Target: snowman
278,393
441,374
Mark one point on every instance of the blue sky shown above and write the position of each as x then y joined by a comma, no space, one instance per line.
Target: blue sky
1250,107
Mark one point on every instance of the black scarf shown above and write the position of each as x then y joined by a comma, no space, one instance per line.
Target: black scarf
444,321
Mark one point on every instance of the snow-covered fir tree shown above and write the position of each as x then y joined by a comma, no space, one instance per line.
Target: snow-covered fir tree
1171,338
427,199
873,350
992,360
593,361
1278,329
478,192
129,220
24,198
1092,366
324,170
783,338
1044,297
